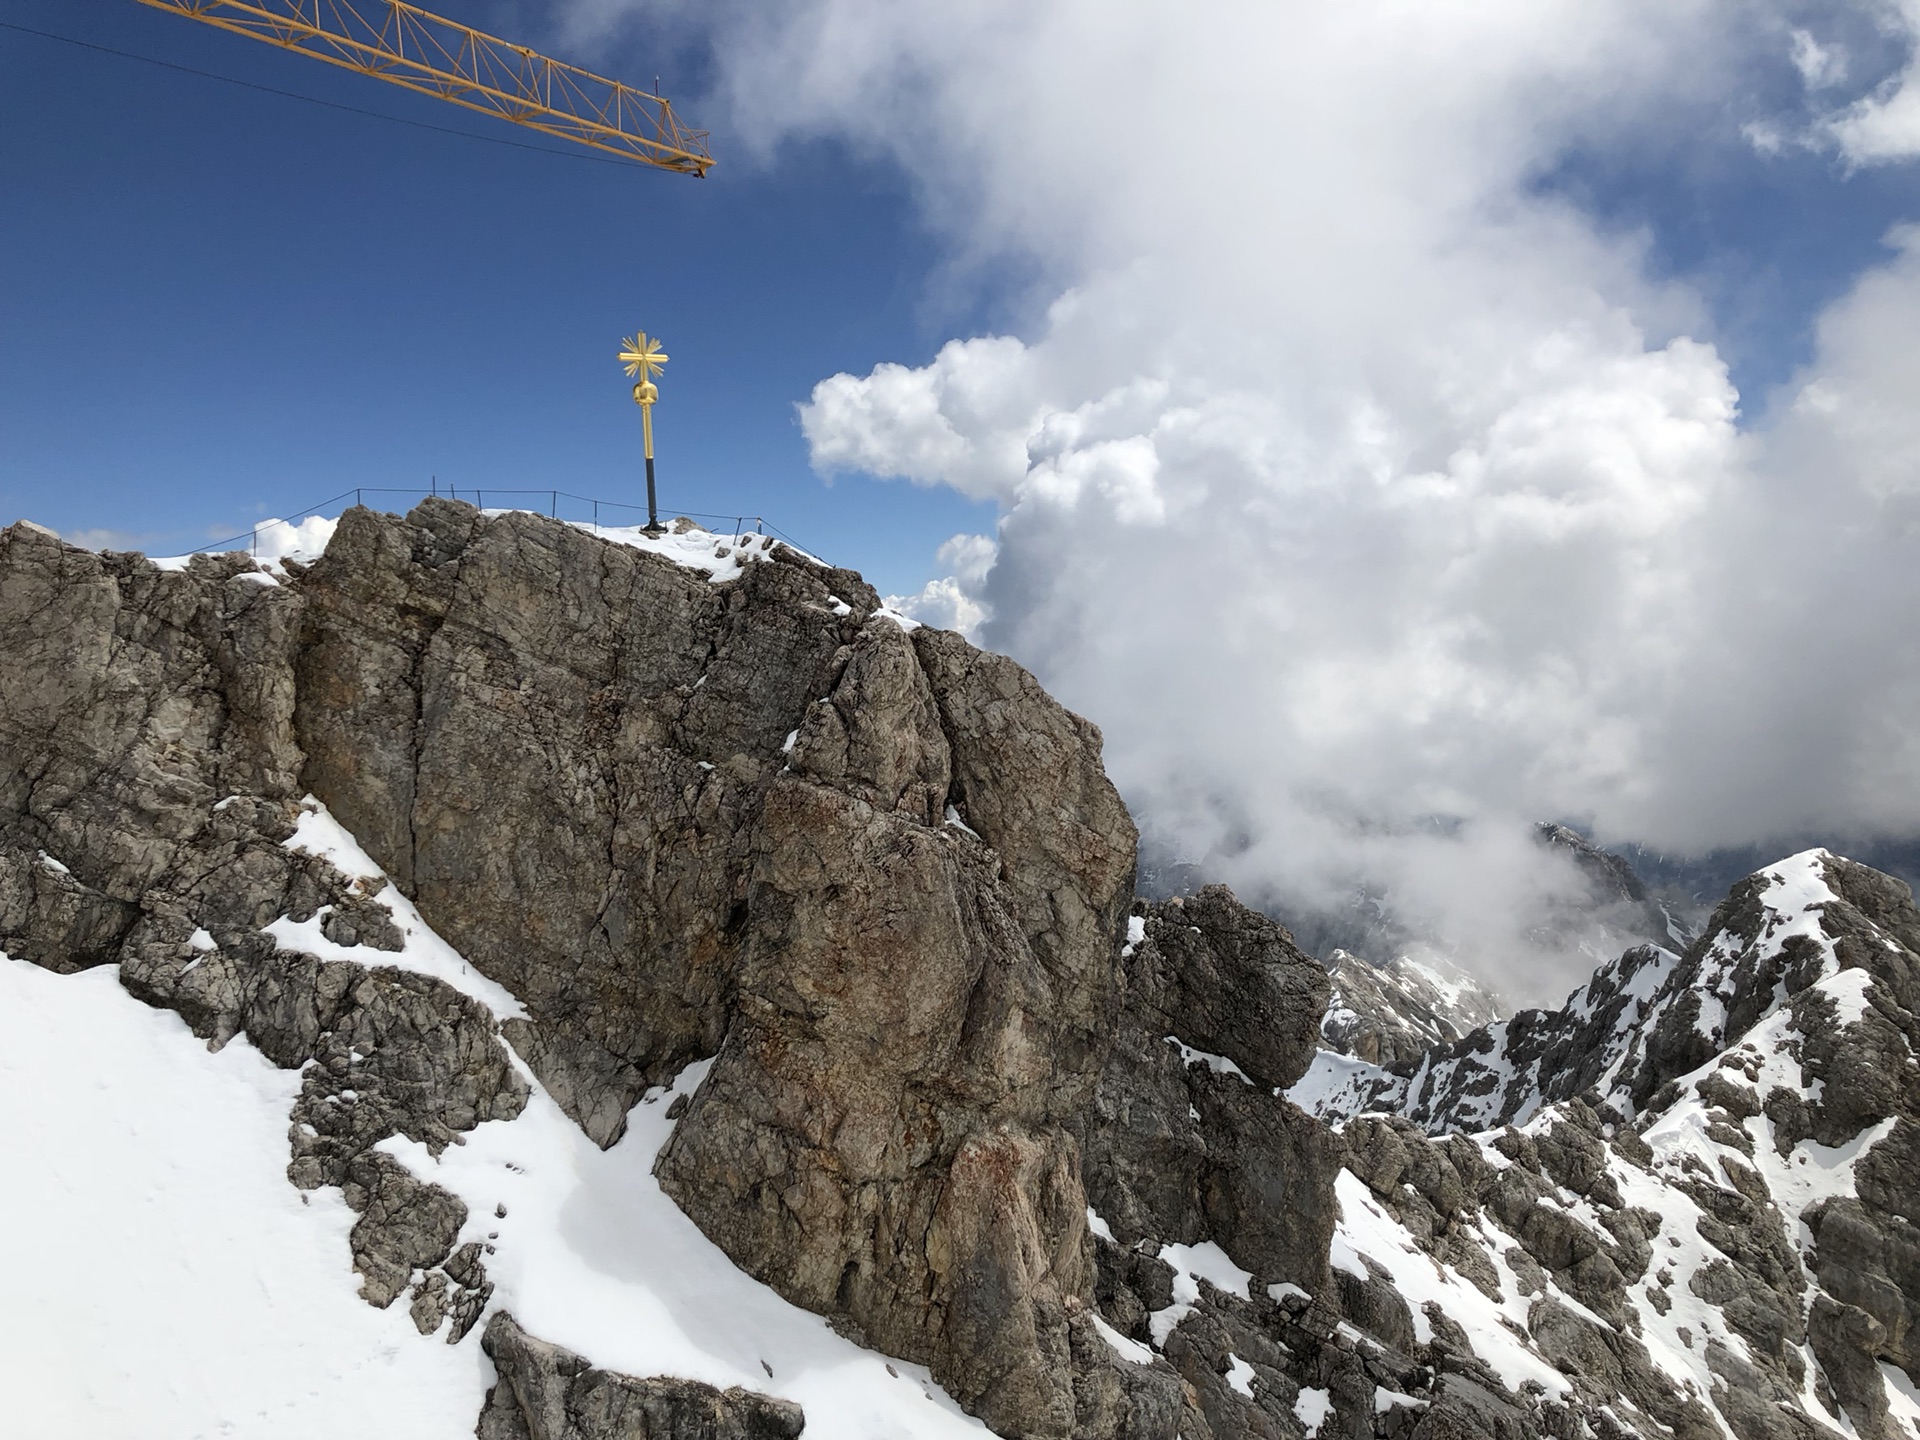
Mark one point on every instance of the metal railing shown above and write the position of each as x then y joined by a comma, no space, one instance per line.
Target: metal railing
585,510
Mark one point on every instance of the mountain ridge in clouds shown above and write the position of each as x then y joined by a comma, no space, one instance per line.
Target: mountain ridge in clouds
703,1002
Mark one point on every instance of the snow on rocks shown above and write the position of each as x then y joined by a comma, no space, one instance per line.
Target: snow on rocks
1311,1408
318,833
1368,1232
590,1254
274,543
134,1154
1676,1147
1219,1064
721,557
1337,1086
1192,1264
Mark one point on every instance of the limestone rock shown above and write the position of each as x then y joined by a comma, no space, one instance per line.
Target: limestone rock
547,1393
961,1102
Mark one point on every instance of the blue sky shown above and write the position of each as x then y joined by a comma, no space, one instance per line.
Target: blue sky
224,304
1490,409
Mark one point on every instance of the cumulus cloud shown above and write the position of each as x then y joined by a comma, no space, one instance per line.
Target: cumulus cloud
1373,500
952,602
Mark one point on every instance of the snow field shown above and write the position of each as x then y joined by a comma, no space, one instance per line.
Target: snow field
234,1309
163,1279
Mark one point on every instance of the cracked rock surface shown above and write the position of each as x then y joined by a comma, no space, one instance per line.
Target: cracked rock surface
968,1098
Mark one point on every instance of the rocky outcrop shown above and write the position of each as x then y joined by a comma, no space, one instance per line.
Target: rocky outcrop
546,1393
865,892
1709,1156
625,713
883,1135
881,874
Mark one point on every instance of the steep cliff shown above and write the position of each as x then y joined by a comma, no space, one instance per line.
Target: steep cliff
879,875
673,956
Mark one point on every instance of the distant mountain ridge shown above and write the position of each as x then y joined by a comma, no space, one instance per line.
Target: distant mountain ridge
1391,1015
1751,1104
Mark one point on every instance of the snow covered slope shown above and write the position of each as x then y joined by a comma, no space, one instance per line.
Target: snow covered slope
1705,1192
235,1309
162,1277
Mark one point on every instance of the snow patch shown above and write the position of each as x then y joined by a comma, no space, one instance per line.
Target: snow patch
720,557
1240,1375
1311,1408
1192,1264
1219,1064
1132,1351
163,1167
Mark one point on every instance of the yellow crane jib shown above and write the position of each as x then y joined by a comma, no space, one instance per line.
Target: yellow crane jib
405,45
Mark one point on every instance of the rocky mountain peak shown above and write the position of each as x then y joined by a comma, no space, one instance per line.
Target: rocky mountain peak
728,1006
1392,1014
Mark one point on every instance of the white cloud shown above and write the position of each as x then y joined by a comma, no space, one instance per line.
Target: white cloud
953,602
1881,126
1350,480
1821,66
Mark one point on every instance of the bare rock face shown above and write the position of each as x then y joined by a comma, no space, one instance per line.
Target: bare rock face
881,875
556,746
883,1134
146,733
1187,1138
547,1393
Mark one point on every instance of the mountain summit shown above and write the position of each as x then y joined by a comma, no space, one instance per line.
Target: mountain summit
714,1007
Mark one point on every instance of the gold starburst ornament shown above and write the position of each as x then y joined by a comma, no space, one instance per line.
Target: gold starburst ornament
643,357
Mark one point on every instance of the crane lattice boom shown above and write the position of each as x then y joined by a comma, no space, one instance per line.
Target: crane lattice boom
403,44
